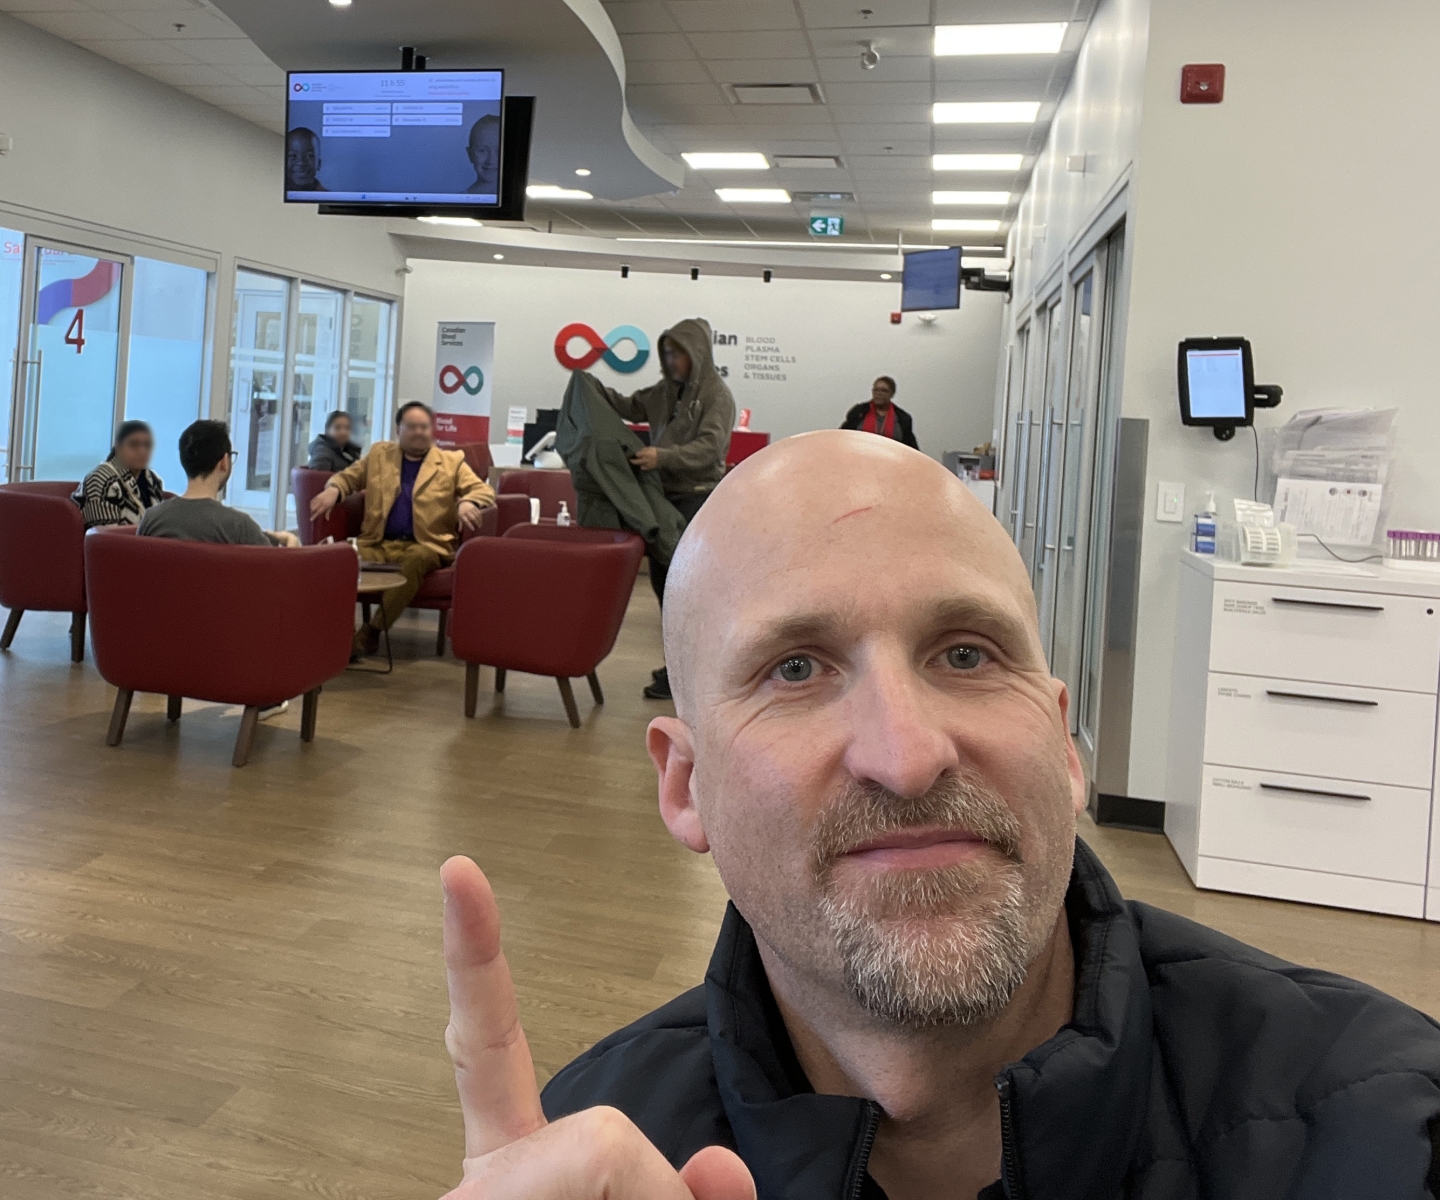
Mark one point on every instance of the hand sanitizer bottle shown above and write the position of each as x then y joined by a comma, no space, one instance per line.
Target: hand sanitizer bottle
1203,541
563,517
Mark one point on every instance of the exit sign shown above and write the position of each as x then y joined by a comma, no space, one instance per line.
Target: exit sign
827,226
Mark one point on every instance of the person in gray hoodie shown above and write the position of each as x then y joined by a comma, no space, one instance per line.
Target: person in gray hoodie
691,413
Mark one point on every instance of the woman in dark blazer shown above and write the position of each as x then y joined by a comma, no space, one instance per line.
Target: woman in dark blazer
882,415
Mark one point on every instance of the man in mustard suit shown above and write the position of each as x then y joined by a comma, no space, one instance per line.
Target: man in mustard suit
417,497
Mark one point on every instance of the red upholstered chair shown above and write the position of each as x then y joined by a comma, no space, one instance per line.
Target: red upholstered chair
477,454
544,605
549,487
42,557
249,625
344,520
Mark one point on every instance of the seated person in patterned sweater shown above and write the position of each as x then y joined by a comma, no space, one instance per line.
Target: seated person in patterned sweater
122,488
417,498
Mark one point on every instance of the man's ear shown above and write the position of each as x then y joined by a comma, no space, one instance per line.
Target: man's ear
672,750
1073,766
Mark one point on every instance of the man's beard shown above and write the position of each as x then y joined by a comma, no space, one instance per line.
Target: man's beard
938,947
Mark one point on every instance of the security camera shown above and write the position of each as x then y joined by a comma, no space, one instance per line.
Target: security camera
869,57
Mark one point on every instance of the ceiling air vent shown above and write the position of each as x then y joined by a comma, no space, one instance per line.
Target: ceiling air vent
824,197
807,162
777,93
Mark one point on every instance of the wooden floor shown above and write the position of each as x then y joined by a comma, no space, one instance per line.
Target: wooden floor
227,983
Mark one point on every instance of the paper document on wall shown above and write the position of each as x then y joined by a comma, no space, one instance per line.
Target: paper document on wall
1339,514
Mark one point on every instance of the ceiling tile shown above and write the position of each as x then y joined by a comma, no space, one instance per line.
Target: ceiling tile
643,47
976,12
226,51
21,7
776,44
658,95
138,51
871,94
80,26
189,74
821,14
647,17
987,89
256,76
1032,69
891,69
733,16
764,70
159,23
895,40
687,70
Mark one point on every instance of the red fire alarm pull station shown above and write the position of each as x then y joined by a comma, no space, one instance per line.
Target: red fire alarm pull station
1202,83
894,318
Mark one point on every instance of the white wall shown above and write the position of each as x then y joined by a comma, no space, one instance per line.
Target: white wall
836,337
1299,213
102,151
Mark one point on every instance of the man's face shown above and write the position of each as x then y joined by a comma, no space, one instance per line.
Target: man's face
414,432
677,362
881,762
302,161
485,150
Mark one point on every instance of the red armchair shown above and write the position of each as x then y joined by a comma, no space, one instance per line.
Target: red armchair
42,557
343,521
477,454
542,601
249,625
549,487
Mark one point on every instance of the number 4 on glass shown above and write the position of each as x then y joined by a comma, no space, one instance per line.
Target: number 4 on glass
75,335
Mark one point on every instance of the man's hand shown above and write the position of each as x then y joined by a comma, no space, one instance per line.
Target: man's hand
511,1151
283,537
470,515
321,505
647,458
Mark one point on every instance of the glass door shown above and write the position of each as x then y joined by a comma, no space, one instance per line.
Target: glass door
69,385
1046,345
1012,477
257,386
12,271
315,386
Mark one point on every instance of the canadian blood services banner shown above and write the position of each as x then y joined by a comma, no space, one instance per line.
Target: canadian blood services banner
464,365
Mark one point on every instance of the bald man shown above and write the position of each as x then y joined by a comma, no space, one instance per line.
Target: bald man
925,987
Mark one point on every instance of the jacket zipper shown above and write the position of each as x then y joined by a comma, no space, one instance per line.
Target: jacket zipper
1009,1160
867,1143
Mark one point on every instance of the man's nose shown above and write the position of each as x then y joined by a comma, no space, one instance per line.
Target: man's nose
896,735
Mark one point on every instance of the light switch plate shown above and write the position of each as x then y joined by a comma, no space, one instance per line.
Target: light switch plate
1170,502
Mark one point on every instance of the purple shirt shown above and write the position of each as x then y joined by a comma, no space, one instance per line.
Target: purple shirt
400,524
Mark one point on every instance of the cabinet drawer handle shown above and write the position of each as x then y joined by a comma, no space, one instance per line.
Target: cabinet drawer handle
1280,787
1326,699
1327,604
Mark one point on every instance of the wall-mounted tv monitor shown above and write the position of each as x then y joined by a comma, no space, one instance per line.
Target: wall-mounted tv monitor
394,137
930,280
1216,378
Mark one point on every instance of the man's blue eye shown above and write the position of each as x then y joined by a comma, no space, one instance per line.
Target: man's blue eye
796,669
964,658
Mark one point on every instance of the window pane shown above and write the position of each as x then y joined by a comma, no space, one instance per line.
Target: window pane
257,365
317,375
12,264
167,357
368,386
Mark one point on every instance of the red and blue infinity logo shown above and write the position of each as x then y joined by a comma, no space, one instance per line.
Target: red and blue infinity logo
452,379
602,348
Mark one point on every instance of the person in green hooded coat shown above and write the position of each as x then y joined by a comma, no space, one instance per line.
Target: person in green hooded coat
691,413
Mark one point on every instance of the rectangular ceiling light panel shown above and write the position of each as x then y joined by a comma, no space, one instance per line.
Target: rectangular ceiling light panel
977,162
964,225
741,161
777,93
988,112
753,195
1029,38
970,198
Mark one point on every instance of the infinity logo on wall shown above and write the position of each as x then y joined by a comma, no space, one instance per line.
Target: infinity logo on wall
602,348
452,379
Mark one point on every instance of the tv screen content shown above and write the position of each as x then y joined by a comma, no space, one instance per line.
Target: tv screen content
931,279
394,137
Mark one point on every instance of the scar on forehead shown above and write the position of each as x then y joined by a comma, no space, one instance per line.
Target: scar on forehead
854,512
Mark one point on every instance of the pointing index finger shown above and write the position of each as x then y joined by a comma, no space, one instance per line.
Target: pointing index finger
493,1069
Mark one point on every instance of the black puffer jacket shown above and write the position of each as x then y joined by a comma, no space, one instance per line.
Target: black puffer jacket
1195,1068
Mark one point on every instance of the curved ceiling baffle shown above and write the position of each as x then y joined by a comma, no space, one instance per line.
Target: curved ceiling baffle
564,52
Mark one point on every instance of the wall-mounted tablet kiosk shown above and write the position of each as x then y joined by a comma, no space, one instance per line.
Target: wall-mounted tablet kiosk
1217,385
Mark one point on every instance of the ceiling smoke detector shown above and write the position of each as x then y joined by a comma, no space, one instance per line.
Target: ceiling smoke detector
869,56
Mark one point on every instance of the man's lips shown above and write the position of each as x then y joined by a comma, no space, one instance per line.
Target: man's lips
918,849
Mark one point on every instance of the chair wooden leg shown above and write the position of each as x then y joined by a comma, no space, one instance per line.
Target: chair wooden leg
309,707
499,679
246,735
118,716
77,637
12,623
440,634
569,697
472,687
172,707
595,688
